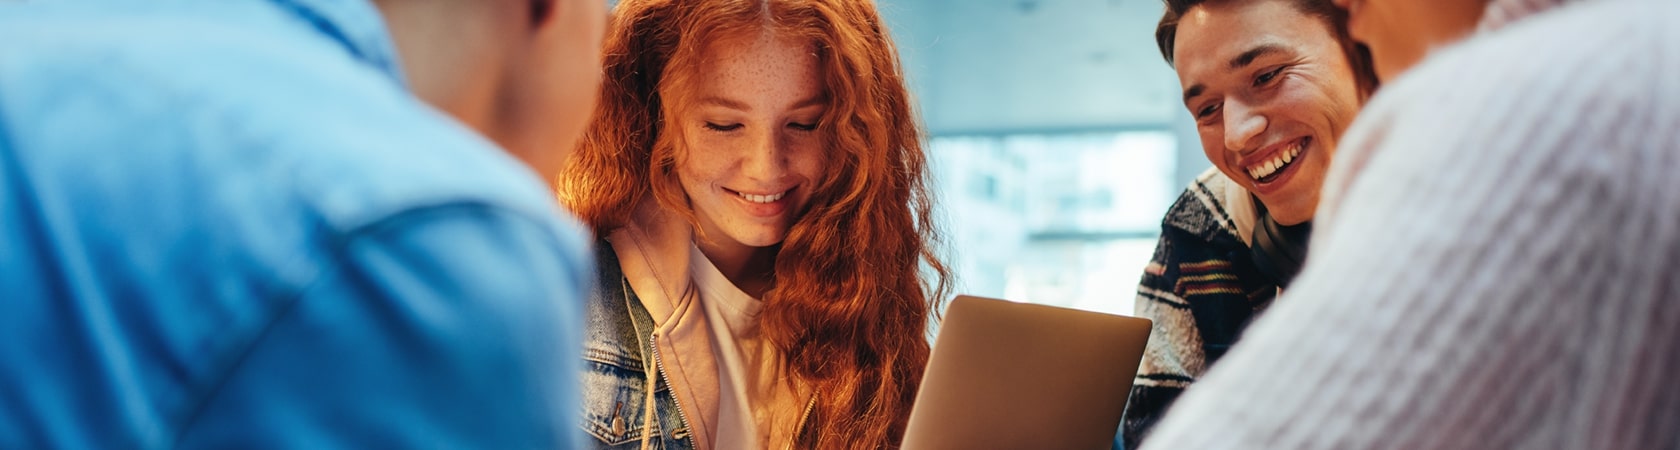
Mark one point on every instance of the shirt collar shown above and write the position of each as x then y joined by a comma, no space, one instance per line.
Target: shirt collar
356,24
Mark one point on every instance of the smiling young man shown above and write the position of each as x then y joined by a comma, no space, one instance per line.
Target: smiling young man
1493,263
1271,85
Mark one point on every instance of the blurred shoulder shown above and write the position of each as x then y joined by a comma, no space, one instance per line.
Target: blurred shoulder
1515,105
1579,52
230,94
1560,74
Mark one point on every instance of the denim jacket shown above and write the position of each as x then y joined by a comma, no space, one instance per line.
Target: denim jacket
619,359
649,367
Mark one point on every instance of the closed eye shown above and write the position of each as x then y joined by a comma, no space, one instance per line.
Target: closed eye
724,128
1267,77
802,126
1207,111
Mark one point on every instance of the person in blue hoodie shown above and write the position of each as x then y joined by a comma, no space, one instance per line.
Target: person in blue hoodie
291,223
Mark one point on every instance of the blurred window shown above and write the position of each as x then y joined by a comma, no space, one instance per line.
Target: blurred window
1059,219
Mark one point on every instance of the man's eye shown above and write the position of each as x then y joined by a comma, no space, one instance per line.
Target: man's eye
1207,111
1267,77
717,127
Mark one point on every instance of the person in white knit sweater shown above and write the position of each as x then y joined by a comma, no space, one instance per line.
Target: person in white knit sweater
1491,254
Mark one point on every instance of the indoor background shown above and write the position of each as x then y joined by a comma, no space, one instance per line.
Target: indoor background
1057,141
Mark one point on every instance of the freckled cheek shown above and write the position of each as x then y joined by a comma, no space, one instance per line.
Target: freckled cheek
810,160
709,156
701,166
691,183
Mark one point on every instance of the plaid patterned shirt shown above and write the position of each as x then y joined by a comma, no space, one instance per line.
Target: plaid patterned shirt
1201,289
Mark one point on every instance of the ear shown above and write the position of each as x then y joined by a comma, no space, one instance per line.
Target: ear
542,11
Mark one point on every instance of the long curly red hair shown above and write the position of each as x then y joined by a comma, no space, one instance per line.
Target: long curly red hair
857,280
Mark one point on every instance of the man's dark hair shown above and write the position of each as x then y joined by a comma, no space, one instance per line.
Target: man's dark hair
1358,56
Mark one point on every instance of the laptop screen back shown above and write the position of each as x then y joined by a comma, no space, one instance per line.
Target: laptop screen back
1006,375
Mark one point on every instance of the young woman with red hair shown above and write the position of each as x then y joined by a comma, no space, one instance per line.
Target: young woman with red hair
756,173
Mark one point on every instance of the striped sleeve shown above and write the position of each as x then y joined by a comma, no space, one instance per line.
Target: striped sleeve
1174,352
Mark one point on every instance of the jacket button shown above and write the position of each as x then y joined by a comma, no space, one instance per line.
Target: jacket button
618,419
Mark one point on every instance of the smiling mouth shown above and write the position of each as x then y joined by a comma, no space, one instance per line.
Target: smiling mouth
757,198
1270,169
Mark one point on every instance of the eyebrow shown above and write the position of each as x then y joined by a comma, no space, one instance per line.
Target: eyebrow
1252,54
723,102
739,106
1240,61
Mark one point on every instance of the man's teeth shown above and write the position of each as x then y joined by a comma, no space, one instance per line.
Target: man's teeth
763,198
1268,167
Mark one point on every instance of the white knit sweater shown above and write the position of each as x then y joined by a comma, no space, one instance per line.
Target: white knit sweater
1494,258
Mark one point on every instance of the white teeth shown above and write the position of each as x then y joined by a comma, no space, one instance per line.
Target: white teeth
763,198
1268,167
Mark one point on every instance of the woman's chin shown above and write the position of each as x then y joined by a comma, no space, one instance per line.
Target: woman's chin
758,238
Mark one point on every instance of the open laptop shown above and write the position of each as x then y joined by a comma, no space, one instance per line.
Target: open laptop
1007,375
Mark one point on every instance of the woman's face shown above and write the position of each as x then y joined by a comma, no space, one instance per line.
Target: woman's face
1401,32
751,150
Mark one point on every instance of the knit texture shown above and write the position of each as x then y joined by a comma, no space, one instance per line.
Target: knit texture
1492,260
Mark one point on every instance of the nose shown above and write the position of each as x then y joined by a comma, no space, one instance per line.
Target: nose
766,156
1242,124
